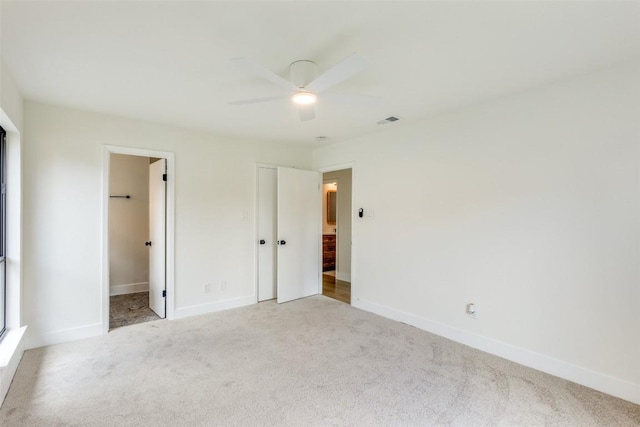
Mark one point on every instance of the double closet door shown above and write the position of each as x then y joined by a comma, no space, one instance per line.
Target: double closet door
289,207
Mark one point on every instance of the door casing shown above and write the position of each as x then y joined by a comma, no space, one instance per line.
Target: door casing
170,219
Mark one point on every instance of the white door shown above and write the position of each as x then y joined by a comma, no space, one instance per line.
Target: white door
267,186
299,233
157,236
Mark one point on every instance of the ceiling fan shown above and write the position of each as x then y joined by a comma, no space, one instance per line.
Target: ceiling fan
305,86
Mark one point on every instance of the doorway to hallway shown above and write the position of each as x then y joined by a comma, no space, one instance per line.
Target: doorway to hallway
336,234
336,289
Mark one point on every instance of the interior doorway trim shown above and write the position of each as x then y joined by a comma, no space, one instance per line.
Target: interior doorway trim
170,219
339,167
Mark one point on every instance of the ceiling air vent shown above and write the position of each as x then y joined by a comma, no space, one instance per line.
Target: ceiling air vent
390,119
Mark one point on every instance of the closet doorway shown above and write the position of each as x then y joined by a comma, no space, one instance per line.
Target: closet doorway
137,227
137,235
287,228
336,234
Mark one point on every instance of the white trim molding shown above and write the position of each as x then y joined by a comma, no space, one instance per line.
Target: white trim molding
11,350
345,277
130,288
577,374
212,307
35,340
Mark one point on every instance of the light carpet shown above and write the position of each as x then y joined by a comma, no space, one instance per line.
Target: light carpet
311,362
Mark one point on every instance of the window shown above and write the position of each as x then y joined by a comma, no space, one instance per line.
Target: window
3,233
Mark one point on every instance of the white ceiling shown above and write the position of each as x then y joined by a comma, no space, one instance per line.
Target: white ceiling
169,62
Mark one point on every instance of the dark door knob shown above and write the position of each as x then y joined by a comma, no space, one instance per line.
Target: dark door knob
262,242
147,243
282,242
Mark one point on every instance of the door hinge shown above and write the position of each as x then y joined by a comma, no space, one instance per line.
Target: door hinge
164,176
164,293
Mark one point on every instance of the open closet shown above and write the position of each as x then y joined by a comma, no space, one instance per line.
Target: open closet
137,239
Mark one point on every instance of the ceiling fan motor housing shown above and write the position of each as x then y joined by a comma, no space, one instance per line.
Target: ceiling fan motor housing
302,73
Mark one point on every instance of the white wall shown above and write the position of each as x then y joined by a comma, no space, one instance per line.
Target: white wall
11,100
215,197
128,224
528,206
343,256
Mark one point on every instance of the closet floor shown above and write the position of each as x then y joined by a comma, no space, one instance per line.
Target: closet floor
130,309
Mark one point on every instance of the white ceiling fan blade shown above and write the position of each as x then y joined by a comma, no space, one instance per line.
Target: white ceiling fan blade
348,67
260,71
307,112
256,100
345,98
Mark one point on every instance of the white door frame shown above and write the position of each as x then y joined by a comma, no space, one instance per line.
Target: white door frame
170,242
333,168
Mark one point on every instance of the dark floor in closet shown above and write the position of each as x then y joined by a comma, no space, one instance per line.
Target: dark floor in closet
130,309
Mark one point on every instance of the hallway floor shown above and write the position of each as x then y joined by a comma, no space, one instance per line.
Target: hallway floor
336,289
129,309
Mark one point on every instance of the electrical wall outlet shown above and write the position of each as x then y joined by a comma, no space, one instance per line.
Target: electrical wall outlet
223,285
207,288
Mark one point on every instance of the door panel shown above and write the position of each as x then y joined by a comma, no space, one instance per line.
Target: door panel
157,236
267,186
298,254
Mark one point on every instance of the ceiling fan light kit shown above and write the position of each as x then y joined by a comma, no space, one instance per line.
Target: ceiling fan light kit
304,82
304,98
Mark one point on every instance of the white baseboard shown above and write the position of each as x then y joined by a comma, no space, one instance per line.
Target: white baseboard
41,339
130,288
11,351
596,380
345,277
212,307
36,339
